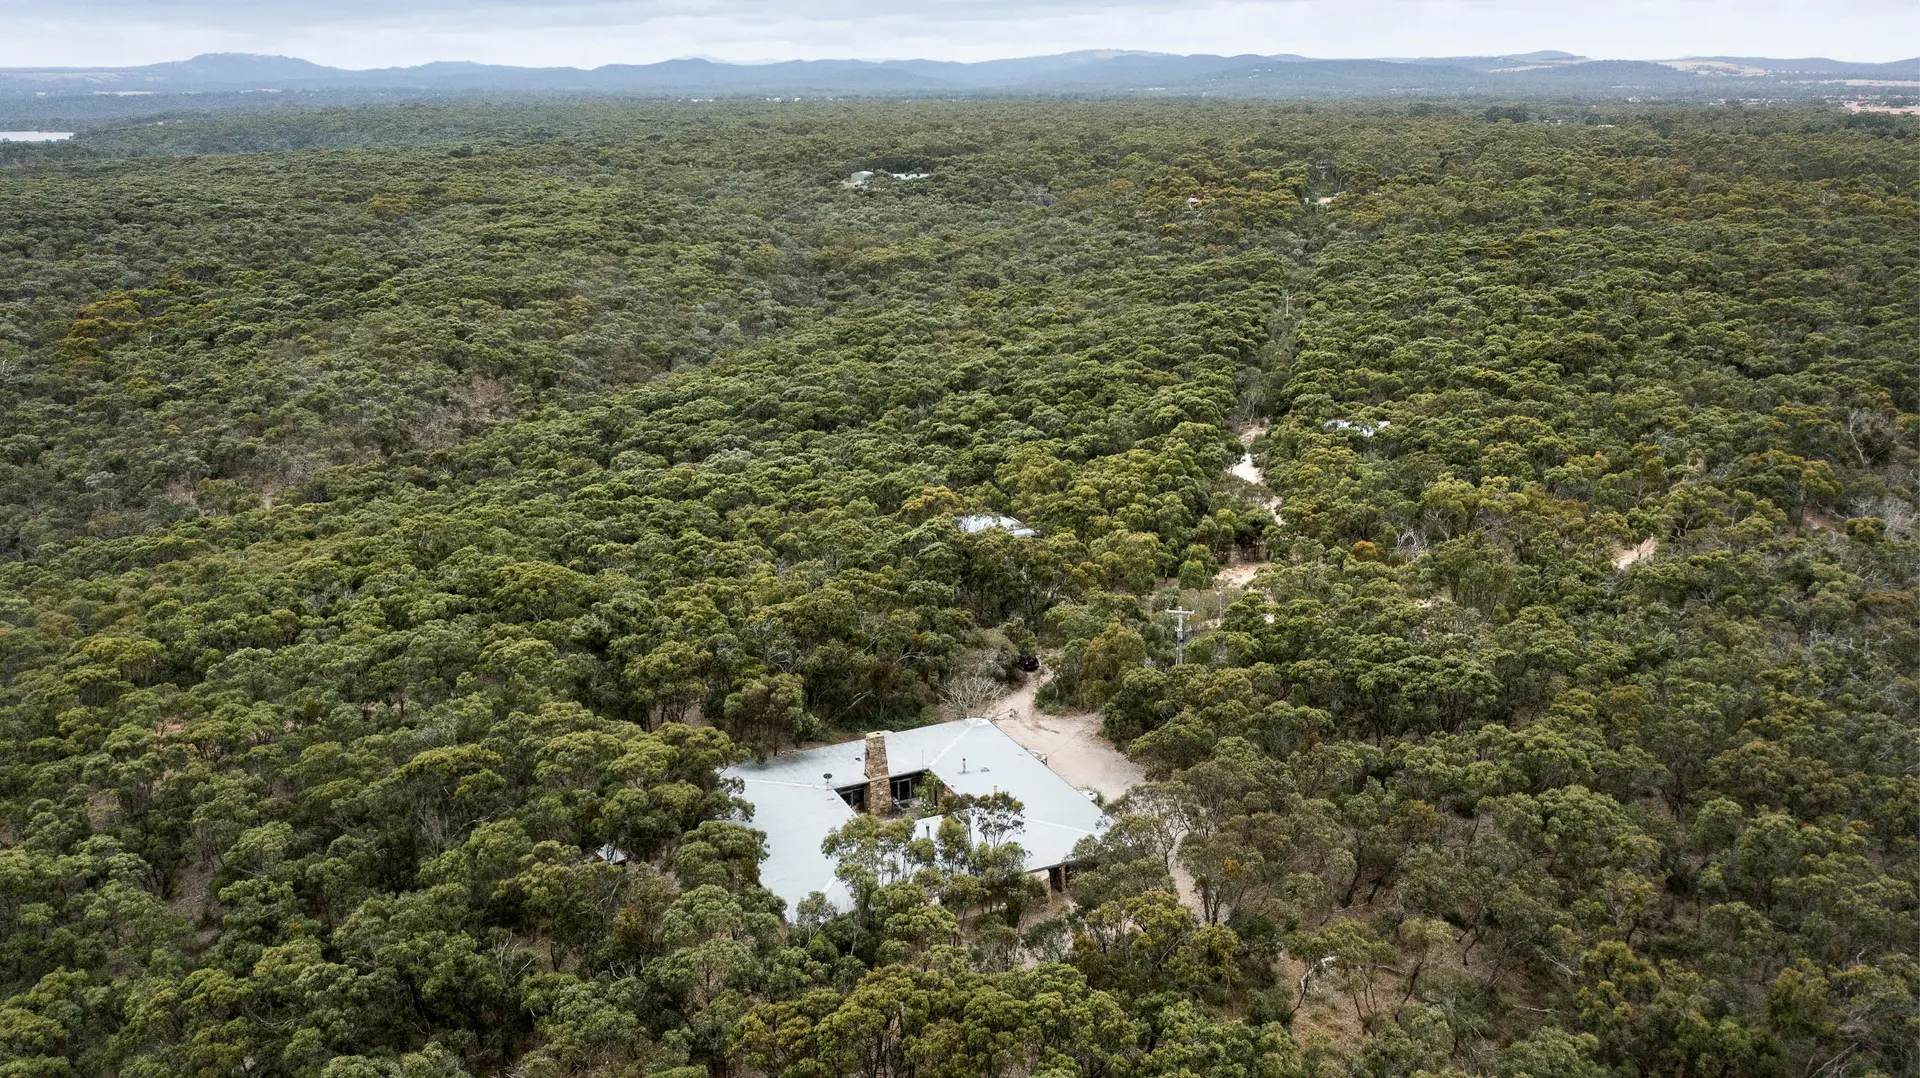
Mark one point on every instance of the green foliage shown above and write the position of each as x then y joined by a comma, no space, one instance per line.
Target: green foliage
401,537
1567,732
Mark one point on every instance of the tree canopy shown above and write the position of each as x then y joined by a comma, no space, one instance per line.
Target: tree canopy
402,533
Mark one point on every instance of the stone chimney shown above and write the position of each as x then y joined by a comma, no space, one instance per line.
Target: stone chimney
879,784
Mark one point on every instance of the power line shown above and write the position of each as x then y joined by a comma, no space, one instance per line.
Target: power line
1180,617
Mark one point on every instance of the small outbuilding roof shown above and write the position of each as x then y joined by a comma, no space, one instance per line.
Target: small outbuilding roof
979,522
795,801
1366,428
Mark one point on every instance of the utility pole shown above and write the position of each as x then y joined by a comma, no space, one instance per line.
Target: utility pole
1180,634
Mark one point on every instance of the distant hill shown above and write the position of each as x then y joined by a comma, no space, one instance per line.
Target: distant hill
1819,65
1092,72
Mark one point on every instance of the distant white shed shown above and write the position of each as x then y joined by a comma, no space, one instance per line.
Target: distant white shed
1365,428
979,522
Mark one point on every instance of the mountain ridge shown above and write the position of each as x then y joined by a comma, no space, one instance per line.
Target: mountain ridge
1087,71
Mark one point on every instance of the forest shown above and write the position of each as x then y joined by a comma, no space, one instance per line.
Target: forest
402,506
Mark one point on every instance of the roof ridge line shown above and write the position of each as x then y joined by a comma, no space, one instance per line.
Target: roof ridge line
966,726
795,785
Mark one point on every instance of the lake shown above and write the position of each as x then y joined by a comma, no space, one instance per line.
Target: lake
34,136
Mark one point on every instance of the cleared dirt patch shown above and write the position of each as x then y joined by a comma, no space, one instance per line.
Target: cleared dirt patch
1247,471
1073,747
1626,557
1240,574
1245,468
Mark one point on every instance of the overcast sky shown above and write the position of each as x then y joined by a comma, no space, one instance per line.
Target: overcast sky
586,33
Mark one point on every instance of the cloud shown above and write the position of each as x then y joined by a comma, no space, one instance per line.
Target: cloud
586,33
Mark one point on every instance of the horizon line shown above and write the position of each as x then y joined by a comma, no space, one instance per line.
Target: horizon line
1564,55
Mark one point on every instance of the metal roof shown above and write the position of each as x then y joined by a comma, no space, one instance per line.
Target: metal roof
795,803
980,522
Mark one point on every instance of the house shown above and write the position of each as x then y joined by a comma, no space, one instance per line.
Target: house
799,798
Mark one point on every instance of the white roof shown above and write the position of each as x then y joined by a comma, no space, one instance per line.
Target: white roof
1367,428
979,522
794,801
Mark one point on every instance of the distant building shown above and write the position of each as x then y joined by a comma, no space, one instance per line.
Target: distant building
1364,428
982,521
861,178
800,798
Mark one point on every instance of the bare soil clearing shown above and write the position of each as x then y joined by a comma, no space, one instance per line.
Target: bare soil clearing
1628,556
1074,748
1245,468
1814,520
1069,744
1240,574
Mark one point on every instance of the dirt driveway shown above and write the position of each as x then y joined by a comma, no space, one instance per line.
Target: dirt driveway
1072,746
1069,744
